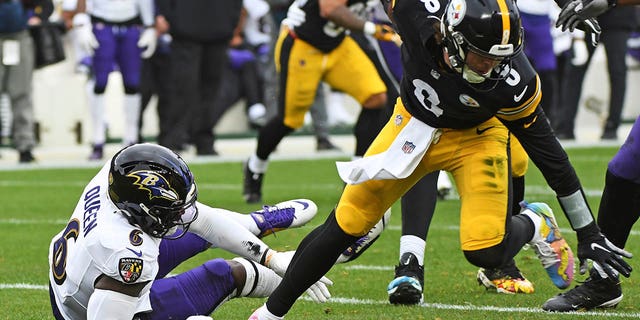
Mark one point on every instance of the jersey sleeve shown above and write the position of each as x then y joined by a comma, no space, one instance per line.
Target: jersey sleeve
526,98
125,254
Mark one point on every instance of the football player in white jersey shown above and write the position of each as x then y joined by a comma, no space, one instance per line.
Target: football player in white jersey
137,219
117,33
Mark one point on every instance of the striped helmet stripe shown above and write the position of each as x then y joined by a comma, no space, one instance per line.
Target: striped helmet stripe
506,23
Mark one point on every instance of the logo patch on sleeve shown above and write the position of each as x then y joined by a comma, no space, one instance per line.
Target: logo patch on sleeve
130,269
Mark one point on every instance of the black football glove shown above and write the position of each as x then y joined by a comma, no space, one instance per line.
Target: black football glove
580,14
593,245
576,11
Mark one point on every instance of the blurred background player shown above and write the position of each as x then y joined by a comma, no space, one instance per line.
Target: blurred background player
331,55
17,66
118,33
200,31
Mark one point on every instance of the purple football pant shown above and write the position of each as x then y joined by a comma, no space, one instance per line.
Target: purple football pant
626,163
538,42
118,45
393,58
198,291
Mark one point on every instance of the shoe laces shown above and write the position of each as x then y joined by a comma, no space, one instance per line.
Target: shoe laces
546,254
274,216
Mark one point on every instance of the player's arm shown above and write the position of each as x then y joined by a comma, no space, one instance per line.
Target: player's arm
113,299
337,12
530,125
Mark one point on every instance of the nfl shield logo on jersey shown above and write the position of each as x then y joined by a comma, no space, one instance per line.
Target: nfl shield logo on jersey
408,147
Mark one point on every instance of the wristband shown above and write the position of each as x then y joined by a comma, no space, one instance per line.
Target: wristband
369,28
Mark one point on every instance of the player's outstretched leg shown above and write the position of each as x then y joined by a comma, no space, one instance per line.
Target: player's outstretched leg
552,249
283,215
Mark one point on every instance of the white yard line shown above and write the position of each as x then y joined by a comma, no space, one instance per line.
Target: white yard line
438,306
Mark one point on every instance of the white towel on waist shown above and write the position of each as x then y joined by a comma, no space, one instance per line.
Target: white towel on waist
397,162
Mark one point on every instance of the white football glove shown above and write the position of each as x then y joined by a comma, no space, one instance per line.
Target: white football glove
199,318
148,41
279,262
295,17
580,52
84,33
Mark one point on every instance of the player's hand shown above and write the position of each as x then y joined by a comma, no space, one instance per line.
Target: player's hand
580,52
84,33
576,11
279,262
319,292
382,32
295,16
593,245
239,57
148,41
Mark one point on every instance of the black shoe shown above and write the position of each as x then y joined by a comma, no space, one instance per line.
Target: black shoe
595,292
97,152
26,157
407,286
323,144
252,187
609,135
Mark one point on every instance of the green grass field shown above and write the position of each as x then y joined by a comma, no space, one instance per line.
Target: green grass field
36,204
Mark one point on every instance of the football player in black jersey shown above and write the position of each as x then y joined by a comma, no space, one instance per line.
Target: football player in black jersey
314,46
466,85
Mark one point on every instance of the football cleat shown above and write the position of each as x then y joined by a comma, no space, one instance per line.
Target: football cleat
362,244
506,279
97,152
287,214
252,185
552,250
406,287
595,292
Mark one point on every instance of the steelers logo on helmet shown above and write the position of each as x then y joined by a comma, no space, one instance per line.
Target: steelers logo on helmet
456,12
489,29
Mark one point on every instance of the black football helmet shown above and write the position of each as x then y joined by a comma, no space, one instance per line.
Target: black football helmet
154,189
489,28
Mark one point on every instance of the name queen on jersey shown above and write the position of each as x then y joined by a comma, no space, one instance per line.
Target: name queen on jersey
98,240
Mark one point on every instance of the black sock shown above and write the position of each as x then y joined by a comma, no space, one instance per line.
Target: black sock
619,209
314,257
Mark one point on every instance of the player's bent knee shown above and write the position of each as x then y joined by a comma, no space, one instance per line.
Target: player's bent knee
376,101
217,267
489,258
355,222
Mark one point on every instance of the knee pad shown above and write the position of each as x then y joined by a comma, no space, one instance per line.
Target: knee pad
519,159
